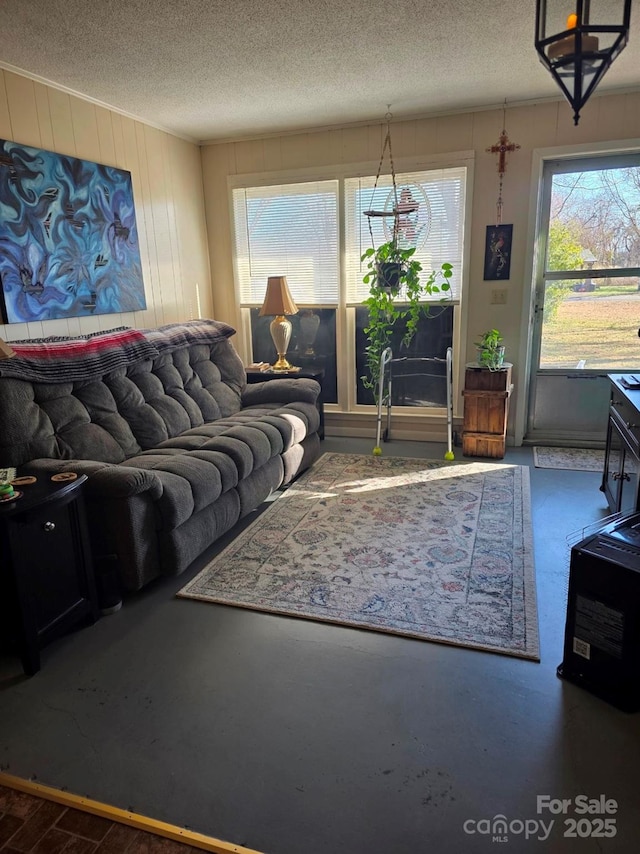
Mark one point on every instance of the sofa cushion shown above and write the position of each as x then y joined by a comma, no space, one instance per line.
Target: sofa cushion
131,391
295,421
152,415
191,480
55,403
189,484
62,421
209,369
179,390
200,464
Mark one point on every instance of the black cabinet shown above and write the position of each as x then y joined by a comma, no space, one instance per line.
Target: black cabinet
46,573
621,476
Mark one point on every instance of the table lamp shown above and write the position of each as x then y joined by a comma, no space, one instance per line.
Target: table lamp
279,302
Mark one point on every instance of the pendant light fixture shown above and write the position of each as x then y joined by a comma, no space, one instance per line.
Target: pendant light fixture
578,46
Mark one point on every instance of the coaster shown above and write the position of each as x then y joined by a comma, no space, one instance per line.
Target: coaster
25,480
11,497
64,477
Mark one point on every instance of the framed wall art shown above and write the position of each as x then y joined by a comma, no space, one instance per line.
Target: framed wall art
497,252
68,237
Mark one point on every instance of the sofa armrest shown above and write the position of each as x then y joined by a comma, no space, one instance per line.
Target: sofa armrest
105,479
304,390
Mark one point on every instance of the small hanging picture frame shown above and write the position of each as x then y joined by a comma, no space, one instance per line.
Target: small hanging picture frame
497,252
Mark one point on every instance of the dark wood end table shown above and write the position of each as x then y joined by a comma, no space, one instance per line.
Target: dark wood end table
46,574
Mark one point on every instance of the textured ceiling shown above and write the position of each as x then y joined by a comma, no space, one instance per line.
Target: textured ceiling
215,69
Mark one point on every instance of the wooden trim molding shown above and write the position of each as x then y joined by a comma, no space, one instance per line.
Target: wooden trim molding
140,822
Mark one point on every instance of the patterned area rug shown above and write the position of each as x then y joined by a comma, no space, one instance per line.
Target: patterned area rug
576,459
427,549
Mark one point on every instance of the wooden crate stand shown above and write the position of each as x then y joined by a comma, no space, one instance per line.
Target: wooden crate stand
486,409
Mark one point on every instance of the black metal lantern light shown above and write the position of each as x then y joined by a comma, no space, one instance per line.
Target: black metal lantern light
579,49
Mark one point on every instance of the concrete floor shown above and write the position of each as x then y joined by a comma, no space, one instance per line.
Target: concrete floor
296,737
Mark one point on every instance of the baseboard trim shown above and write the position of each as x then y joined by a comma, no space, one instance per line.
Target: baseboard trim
140,822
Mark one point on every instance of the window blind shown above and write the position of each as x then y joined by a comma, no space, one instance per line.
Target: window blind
288,230
436,228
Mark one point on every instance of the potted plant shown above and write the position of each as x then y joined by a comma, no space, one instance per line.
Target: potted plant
389,267
396,292
490,350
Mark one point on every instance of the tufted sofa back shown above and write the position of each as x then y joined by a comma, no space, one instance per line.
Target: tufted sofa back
131,408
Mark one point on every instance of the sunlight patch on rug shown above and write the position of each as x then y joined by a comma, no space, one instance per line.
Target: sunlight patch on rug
421,548
573,459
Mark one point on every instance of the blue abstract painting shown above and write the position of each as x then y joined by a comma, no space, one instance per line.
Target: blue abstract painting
68,237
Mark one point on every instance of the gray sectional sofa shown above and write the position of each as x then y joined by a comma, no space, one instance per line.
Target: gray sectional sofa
177,447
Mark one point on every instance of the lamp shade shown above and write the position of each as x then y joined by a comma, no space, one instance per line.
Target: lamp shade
278,300
6,352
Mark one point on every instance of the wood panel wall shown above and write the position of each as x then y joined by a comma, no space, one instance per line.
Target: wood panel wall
549,124
167,183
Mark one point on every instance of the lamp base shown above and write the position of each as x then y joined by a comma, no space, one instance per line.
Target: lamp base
283,365
280,329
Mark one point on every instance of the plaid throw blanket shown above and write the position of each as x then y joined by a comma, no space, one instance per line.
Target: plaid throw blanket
85,358
174,336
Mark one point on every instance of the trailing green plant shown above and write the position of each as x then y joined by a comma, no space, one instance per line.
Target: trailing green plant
395,299
490,350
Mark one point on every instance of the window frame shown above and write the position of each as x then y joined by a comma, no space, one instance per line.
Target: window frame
570,164
345,310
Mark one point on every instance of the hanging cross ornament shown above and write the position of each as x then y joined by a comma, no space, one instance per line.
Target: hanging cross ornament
502,147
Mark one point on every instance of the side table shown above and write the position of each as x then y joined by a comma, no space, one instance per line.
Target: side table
46,575
486,409
304,373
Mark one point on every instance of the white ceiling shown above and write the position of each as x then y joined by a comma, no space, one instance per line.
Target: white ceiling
221,69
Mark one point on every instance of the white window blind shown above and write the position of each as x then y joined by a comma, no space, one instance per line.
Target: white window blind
436,228
288,230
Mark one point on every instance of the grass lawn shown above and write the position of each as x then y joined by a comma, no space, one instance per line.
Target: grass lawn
597,327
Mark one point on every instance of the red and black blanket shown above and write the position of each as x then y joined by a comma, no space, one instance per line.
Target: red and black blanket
89,357
175,336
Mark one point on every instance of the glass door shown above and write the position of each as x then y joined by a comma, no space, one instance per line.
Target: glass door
587,299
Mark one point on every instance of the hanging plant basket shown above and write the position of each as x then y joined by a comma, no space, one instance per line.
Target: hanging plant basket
397,294
388,275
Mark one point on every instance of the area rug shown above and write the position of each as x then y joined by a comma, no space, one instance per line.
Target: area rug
576,459
422,548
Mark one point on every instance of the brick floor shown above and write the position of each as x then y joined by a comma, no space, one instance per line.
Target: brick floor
30,825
